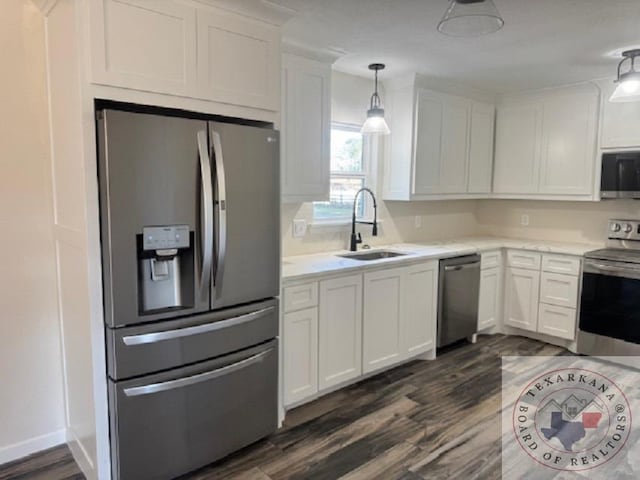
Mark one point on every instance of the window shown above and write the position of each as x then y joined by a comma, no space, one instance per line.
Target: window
348,175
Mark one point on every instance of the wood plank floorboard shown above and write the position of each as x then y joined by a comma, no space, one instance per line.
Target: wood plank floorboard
422,420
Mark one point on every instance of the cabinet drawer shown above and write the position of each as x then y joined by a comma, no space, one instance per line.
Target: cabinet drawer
491,260
557,321
522,259
559,290
300,296
561,264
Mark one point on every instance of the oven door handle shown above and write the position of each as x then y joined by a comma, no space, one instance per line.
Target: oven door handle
616,270
194,379
145,338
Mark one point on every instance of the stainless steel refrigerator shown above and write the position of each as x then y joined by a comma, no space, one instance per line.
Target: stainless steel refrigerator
191,256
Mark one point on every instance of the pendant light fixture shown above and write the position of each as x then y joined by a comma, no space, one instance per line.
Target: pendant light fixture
628,89
470,18
375,123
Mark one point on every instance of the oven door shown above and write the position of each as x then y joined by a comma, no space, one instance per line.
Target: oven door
610,303
170,423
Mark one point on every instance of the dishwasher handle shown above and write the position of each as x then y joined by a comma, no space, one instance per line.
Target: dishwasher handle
465,266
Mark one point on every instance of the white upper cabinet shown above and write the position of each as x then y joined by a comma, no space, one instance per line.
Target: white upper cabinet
546,144
569,144
481,148
238,60
441,146
518,143
619,121
306,129
144,45
185,49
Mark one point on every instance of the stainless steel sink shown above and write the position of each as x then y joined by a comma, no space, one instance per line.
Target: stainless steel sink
374,255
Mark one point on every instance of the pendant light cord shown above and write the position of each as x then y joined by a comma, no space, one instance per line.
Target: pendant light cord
375,98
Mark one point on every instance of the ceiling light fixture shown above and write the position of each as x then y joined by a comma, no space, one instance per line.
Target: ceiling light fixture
375,123
470,18
628,89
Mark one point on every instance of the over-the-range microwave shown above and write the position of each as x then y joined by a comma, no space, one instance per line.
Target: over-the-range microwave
620,175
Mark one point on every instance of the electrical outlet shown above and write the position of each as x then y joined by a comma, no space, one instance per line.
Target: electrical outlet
417,221
299,228
524,220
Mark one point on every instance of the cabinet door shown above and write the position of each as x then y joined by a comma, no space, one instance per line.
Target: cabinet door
455,145
382,321
481,148
340,330
442,132
420,293
619,121
300,346
490,296
238,60
569,144
144,45
557,321
518,143
306,120
522,288
428,143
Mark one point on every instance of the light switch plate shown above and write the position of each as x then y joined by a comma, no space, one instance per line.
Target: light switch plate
417,221
524,220
299,228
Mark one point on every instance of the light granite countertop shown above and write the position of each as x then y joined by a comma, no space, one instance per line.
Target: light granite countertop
304,267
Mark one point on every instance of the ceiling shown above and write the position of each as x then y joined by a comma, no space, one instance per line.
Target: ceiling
543,42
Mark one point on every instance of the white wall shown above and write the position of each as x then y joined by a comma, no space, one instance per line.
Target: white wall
582,222
31,394
440,220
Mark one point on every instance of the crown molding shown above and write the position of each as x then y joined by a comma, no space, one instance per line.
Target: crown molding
324,55
265,10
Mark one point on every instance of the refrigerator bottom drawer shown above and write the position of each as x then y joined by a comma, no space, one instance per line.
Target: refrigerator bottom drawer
171,423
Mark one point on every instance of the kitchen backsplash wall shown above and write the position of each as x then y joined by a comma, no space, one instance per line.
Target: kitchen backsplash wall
438,220
582,222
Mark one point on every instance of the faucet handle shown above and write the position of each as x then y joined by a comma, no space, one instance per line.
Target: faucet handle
359,239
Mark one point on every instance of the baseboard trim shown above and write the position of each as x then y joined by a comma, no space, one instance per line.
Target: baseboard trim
81,456
32,445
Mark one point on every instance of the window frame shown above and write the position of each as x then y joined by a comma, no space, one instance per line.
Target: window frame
364,174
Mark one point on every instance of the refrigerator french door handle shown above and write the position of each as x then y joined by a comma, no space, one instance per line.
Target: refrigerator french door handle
146,338
207,210
221,202
194,379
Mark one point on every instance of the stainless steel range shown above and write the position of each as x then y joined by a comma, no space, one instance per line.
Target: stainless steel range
610,303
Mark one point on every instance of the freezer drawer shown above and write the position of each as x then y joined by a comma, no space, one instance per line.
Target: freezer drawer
135,351
170,423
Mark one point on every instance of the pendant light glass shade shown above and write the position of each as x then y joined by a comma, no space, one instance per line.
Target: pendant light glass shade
375,123
470,18
628,89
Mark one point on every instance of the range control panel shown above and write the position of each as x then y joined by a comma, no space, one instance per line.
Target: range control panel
624,229
166,237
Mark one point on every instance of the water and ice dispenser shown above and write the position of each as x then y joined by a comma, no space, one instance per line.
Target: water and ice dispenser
165,268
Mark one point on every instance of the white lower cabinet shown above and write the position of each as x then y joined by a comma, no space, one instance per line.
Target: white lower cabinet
400,309
522,293
300,355
557,321
383,318
340,330
420,293
560,290
490,296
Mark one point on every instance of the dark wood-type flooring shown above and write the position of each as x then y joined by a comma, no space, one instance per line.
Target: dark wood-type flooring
423,420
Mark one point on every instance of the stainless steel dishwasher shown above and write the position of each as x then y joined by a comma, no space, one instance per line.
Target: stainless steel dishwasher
458,298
